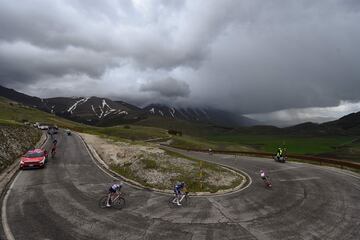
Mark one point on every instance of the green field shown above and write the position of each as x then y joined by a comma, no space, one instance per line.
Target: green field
293,144
343,147
128,132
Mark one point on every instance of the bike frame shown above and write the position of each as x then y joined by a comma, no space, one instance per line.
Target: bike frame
182,197
114,197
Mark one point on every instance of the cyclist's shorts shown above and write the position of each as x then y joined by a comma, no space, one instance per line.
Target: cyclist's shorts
112,190
177,191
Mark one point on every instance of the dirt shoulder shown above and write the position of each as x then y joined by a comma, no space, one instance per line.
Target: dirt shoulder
153,167
14,141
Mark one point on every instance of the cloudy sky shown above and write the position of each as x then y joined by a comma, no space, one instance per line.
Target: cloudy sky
274,60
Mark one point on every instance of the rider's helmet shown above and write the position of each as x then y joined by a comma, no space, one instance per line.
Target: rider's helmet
261,171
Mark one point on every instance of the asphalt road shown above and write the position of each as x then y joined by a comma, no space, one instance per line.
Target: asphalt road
61,202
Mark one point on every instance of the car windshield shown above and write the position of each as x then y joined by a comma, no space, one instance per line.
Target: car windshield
34,154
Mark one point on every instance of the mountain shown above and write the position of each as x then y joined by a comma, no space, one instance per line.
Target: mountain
348,122
204,115
106,112
346,125
22,98
94,110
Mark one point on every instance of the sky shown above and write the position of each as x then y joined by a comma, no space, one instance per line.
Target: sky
274,60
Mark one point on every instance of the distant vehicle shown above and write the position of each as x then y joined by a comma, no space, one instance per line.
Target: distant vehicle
52,129
43,126
36,125
34,159
68,132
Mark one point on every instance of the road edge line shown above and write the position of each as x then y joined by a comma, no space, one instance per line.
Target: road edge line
5,192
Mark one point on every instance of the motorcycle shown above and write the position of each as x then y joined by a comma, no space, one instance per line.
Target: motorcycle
281,159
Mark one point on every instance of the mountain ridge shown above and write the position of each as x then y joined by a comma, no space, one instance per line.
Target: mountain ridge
106,112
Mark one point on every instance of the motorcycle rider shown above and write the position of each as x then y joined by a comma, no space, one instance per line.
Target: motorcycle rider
279,153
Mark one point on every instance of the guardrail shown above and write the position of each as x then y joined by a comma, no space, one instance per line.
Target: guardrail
319,160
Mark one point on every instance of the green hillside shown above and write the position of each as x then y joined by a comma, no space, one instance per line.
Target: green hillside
13,113
16,113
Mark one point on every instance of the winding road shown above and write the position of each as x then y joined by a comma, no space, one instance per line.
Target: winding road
61,202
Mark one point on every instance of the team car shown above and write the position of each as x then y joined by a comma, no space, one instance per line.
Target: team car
35,158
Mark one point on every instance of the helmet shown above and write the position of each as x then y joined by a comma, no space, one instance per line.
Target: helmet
180,184
121,184
261,171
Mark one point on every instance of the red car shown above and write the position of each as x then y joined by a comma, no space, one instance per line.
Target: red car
34,159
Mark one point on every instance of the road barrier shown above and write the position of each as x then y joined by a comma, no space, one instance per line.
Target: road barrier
319,160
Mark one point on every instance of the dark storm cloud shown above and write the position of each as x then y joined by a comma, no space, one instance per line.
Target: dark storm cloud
169,87
25,63
249,56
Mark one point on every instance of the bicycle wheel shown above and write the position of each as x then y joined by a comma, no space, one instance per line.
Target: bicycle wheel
171,203
185,201
102,201
119,203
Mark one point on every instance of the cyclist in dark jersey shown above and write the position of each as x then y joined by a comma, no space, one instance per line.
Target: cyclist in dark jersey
112,190
178,192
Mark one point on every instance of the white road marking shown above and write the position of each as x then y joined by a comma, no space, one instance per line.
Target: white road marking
6,227
298,179
284,169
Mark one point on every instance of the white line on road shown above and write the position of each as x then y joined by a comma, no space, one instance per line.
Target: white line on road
298,179
7,230
284,169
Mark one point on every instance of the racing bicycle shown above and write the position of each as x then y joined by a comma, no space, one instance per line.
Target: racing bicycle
116,201
184,200
267,182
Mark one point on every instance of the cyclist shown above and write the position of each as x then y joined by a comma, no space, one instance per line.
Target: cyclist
116,187
264,177
178,192
53,148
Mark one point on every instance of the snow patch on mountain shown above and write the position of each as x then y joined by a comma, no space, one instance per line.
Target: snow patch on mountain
152,111
172,112
106,110
74,106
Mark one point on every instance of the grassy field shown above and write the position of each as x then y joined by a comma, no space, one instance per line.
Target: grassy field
342,147
197,179
295,145
128,132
